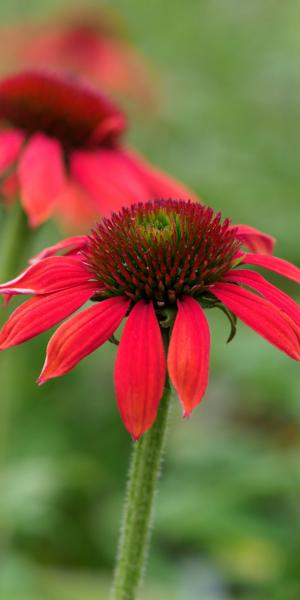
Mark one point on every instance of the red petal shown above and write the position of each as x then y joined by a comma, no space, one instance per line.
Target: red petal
7,298
49,275
260,315
269,291
159,184
188,357
140,369
10,146
255,240
42,177
109,129
10,188
278,265
115,178
72,244
81,335
109,179
76,210
41,313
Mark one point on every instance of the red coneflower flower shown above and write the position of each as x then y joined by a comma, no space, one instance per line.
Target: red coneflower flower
89,42
160,264
60,146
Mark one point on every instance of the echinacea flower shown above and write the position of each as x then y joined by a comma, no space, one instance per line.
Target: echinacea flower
91,43
160,265
61,149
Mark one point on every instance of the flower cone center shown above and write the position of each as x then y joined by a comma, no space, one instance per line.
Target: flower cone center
160,251
61,107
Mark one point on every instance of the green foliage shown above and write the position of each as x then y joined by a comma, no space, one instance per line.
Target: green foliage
227,519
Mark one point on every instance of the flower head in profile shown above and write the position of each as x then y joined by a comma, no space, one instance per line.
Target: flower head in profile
61,150
159,265
87,42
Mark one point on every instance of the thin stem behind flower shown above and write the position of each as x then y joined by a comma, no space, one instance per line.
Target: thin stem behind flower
15,237
15,234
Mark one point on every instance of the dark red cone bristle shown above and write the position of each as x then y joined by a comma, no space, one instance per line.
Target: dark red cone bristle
59,106
161,250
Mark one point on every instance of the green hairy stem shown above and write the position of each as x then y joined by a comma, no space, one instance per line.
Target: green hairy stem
137,518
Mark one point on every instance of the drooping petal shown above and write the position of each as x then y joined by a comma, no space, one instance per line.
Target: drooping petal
158,184
76,210
115,178
262,316
42,177
6,298
49,275
9,188
140,369
269,291
255,240
81,335
272,263
109,129
108,178
41,313
72,245
188,356
10,145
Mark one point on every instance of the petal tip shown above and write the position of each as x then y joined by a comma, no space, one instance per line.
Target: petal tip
186,414
33,223
35,220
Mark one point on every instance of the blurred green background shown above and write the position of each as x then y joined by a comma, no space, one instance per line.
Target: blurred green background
227,80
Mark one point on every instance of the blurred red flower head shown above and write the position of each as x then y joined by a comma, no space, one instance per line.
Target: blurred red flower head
61,149
87,42
160,264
